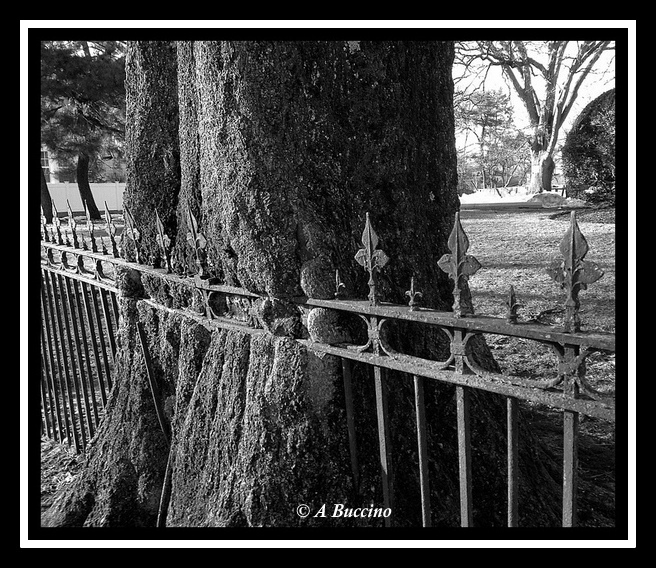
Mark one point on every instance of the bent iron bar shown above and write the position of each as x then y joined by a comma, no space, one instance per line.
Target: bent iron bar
570,345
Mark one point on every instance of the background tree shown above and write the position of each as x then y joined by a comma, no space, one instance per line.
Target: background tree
487,116
589,152
82,104
547,76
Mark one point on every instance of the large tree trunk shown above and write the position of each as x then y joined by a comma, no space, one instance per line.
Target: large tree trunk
82,173
46,200
284,147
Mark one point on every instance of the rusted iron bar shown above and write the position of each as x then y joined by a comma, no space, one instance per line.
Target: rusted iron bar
513,458
154,387
433,370
84,327
48,379
422,448
93,331
464,456
347,374
102,335
115,308
570,451
46,404
58,302
109,328
483,324
53,352
384,443
47,324
73,350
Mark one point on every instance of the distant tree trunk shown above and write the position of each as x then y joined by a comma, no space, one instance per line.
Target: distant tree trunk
46,200
289,146
82,173
542,168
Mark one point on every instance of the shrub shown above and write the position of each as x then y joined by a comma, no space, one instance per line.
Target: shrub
589,152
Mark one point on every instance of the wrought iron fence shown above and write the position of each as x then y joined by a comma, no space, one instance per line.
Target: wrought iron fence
75,379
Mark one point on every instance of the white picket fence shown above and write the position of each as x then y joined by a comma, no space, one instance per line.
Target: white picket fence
64,193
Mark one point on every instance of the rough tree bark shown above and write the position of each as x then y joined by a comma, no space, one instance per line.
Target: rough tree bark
284,146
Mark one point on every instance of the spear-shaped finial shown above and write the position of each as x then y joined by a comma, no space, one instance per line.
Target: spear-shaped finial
44,226
91,229
72,225
198,242
57,224
512,305
111,231
163,241
132,232
340,287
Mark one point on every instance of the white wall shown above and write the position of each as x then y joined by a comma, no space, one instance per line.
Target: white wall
112,193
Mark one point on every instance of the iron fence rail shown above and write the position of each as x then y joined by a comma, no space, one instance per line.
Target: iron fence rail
80,316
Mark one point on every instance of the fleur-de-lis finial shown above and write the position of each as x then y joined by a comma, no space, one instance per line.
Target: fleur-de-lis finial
413,295
340,288
72,225
163,241
132,232
198,242
459,266
573,273
370,259
512,305
111,231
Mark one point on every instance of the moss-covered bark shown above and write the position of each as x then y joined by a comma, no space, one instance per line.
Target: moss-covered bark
151,137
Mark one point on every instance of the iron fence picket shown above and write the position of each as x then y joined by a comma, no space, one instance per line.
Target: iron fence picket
75,358
46,350
86,292
90,394
103,341
464,456
512,411
71,422
422,448
347,376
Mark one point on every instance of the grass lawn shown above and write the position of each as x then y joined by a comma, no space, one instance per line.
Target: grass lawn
514,248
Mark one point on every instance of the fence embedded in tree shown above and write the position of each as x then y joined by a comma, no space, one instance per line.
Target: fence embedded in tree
74,266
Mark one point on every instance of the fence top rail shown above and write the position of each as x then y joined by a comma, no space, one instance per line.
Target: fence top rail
474,323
